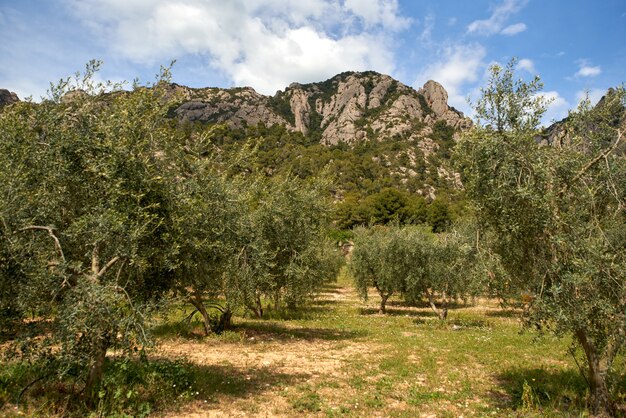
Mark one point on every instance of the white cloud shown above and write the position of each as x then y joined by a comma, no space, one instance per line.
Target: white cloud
526,65
426,35
458,66
498,18
587,70
514,29
263,43
376,12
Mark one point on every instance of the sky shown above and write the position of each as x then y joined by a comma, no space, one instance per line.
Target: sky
577,47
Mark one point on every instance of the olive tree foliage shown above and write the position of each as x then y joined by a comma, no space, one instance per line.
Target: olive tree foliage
282,253
205,212
83,221
444,268
416,263
381,259
556,212
510,104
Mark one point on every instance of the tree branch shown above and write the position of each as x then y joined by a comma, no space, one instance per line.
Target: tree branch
593,162
107,266
57,243
95,260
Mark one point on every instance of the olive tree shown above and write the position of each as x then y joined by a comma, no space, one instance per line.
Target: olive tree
282,253
380,259
557,213
205,210
83,220
443,268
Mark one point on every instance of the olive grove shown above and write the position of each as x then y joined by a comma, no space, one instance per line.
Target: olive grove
108,210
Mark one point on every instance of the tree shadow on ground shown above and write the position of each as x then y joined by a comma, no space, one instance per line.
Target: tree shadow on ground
413,309
24,329
504,313
160,384
423,304
311,310
319,303
264,331
397,312
226,380
193,328
330,288
541,391
453,324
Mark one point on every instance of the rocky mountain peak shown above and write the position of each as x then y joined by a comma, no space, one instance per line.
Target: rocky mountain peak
8,97
348,107
436,97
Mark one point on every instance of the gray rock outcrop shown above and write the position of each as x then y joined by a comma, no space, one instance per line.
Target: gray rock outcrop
8,97
349,107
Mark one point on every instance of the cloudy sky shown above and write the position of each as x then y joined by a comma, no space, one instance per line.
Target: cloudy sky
574,45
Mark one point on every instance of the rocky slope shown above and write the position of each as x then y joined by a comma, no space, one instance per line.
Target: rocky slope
557,134
346,108
7,97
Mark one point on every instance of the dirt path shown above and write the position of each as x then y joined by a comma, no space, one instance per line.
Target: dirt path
257,372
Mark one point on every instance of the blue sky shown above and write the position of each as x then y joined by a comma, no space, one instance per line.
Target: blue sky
575,45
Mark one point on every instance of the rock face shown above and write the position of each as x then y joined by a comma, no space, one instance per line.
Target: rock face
236,107
346,108
437,99
8,97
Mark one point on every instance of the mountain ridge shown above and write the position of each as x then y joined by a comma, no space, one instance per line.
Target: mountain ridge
348,107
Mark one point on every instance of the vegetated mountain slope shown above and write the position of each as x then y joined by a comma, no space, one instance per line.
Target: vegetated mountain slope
403,135
346,108
557,134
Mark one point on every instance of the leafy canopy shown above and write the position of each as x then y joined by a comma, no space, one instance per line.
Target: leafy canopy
556,212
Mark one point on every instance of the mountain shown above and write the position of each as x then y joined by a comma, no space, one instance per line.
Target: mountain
557,134
371,130
7,97
344,109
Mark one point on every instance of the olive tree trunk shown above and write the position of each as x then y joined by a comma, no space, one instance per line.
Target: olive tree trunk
96,372
441,313
196,301
600,402
383,299
256,308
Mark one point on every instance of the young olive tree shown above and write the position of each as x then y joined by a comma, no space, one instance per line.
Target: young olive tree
205,211
380,259
83,191
557,214
443,268
282,253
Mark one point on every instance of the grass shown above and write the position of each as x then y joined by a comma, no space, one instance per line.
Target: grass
338,357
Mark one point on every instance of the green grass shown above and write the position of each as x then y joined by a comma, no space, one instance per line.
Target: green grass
406,363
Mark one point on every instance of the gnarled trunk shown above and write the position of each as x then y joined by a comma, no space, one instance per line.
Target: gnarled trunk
256,308
196,301
225,320
441,313
596,377
383,300
96,371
